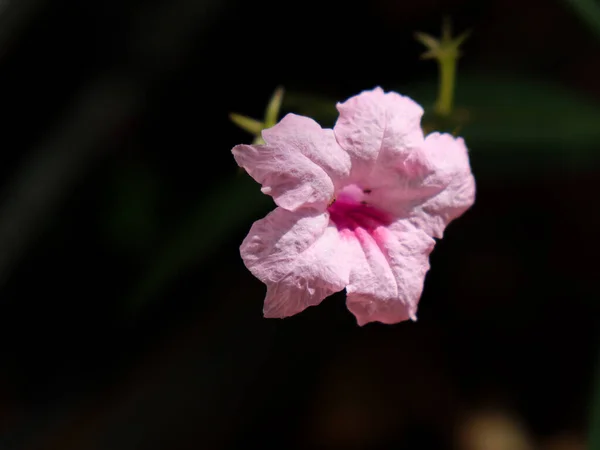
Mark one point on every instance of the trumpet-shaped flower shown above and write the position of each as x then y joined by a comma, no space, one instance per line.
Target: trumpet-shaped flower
358,207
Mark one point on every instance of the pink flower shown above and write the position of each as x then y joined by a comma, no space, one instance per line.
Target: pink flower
358,207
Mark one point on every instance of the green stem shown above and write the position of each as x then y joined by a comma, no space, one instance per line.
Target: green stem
447,69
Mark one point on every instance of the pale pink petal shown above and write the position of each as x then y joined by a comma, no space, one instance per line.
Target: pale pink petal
450,173
315,143
378,130
299,257
301,164
387,273
431,187
402,188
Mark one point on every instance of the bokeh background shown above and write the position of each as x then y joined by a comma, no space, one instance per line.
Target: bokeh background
127,318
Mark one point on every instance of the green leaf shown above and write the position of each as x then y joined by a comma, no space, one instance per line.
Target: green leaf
232,205
428,41
272,111
248,124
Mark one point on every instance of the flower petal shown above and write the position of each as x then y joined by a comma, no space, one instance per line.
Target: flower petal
299,257
300,165
388,270
450,173
376,128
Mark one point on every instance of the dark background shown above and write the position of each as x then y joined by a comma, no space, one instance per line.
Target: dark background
127,318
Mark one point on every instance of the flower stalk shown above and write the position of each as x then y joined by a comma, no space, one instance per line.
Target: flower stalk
446,52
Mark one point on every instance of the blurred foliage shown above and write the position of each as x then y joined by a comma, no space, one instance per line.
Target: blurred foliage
236,201
589,12
131,218
519,122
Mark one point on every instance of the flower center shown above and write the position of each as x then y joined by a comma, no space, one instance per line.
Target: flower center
351,210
